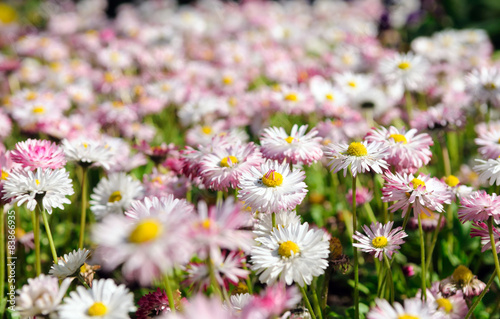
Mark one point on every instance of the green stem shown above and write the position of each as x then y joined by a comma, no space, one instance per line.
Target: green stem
407,218
369,212
390,280
480,297
84,206
273,218
446,158
317,308
213,279
326,283
422,258
49,234
493,246
408,102
36,232
220,195
433,242
170,294
247,280
355,249
306,300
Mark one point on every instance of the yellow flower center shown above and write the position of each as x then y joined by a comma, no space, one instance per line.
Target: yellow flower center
356,149
83,268
4,175
445,304
97,309
404,65
145,231
462,275
38,110
227,80
85,145
292,97
398,138
228,161
452,181
406,316
109,77
490,86
285,249
417,182
329,97
352,84
206,130
272,179
115,197
206,223
7,14
232,101
31,96
379,242
19,232
289,140
240,289
117,104
37,182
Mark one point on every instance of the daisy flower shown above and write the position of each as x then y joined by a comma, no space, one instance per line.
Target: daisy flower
363,195
272,302
88,152
69,265
448,307
480,229
220,226
155,304
292,254
224,167
408,69
201,306
411,308
484,85
240,301
428,219
488,138
113,195
41,296
105,300
439,117
407,151
38,153
361,156
422,194
149,241
462,280
489,171
272,188
380,239
479,206
264,224
296,148
49,186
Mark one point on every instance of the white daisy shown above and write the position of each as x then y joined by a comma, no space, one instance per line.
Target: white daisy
352,83
292,254
407,69
381,239
272,187
41,296
361,156
484,85
114,194
489,171
412,308
88,152
69,265
264,226
296,147
104,300
240,301
50,186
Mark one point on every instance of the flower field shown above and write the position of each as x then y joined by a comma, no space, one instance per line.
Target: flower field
253,160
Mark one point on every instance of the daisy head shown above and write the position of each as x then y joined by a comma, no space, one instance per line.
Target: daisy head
480,229
296,147
409,70
413,308
69,265
360,156
380,239
272,188
462,280
46,186
489,171
479,206
448,307
104,300
38,153
292,254
88,152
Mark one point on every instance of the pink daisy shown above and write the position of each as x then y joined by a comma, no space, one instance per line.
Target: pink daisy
381,239
223,168
439,117
272,302
479,206
155,304
38,153
422,194
488,138
448,307
462,280
408,151
480,229
363,195
296,148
